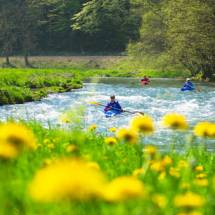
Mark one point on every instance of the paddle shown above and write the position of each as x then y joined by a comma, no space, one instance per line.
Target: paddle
127,111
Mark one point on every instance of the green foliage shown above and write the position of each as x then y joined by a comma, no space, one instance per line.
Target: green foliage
178,33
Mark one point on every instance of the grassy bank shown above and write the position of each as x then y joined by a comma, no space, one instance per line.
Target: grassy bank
62,173
62,74
24,85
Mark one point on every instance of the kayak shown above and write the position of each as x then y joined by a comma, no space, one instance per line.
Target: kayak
145,82
187,89
111,113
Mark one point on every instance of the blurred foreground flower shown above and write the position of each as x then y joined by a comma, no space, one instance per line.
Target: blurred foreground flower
128,135
14,138
124,188
143,124
160,200
92,127
189,200
205,129
67,179
112,129
175,121
138,172
110,140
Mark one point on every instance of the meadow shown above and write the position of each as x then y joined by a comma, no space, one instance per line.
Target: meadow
55,171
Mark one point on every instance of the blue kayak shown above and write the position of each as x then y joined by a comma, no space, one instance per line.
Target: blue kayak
187,88
111,113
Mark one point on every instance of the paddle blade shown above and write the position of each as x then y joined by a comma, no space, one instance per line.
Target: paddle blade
94,103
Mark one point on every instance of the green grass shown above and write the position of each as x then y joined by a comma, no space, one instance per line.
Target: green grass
117,160
61,74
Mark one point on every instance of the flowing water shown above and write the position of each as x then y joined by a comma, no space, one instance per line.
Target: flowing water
157,99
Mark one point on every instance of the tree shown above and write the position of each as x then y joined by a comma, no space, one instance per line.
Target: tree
8,28
109,23
178,32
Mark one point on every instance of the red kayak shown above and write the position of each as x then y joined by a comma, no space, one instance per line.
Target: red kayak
145,81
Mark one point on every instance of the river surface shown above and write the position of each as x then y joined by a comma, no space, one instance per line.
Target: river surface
157,99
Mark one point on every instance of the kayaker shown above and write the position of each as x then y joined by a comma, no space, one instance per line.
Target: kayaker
113,105
188,85
145,80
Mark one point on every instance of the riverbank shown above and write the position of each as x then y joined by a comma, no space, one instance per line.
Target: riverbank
19,85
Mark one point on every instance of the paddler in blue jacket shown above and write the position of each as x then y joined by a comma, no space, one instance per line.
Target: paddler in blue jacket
188,85
113,106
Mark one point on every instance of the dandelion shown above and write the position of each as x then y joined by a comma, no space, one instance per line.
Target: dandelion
128,135
138,172
160,200
67,179
14,138
92,127
182,164
190,213
157,166
8,151
202,182
123,188
189,200
71,148
167,160
174,172
150,150
113,129
143,124
203,129
64,118
175,121
201,175
110,140
199,168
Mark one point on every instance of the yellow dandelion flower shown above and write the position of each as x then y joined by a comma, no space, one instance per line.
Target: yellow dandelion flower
162,176
151,150
71,148
8,151
202,129
202,182
201,175
17,135
143,124
113,129
138,172
199,168
182,164
65,118
190,213
123,188
14,138
167,160
175,121
212,130
67,179
189,200
92,127
110,140
157,166
160,200
128,135
174,172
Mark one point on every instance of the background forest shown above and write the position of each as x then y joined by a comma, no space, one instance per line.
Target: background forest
161,34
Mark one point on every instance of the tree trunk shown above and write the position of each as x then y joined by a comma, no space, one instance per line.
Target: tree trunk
7,60
26,60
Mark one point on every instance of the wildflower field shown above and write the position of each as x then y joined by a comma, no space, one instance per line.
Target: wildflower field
80,171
